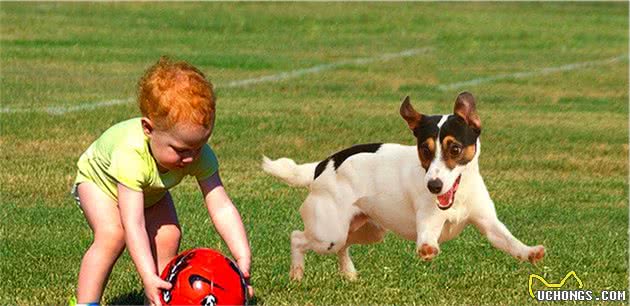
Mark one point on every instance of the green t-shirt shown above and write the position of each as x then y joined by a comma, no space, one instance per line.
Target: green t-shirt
122,155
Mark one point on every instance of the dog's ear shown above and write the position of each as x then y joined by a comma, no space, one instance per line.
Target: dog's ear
465,108
409,114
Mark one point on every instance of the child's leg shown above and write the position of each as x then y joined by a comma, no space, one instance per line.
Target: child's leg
163,230
103,217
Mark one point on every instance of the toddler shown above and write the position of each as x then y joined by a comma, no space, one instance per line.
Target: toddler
124,179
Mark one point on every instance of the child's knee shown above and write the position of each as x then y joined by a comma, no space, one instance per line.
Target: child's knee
169,234
111,238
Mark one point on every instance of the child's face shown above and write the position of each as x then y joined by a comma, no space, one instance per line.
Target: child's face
178,146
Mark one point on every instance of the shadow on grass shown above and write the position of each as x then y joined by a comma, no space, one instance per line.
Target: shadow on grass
255,301
131,298
137,298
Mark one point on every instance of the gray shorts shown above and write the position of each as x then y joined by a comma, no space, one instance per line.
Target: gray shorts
75,194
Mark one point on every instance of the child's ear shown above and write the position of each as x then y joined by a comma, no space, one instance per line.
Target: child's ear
147,126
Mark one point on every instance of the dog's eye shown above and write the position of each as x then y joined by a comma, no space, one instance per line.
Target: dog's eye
425,151
455,150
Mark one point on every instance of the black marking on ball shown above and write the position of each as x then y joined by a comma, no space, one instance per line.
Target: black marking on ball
195,278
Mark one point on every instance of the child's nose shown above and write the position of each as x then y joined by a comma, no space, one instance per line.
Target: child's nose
189,156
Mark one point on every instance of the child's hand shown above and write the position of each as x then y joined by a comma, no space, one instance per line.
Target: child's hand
243,265
250,289
152,286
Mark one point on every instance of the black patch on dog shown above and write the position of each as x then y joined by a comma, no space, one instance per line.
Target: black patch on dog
427,128
339,157
456,126
332,244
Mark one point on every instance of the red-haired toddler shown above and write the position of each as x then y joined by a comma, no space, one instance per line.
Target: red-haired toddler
124,179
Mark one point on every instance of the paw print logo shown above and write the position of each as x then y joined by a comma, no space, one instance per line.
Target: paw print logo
551,285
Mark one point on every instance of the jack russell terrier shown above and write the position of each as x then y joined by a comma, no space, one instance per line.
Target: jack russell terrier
425,193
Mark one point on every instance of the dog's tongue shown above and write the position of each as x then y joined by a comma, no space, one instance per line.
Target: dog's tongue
446,200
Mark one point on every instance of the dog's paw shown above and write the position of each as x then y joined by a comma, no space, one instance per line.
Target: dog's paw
296,273
350,276
536,254
427,252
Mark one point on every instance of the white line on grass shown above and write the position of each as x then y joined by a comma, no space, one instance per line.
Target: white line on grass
60,110
321,68
527,74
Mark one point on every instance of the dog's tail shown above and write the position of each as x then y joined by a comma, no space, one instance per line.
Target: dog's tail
290,172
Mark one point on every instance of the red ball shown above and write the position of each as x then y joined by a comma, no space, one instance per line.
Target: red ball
203,277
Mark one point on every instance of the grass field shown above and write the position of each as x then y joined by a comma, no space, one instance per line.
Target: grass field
555,141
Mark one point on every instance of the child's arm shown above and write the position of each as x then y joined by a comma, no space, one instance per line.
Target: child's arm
227,221
131,205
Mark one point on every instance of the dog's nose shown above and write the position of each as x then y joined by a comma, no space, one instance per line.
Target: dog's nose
435,186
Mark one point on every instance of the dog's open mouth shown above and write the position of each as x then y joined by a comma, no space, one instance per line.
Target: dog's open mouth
446,200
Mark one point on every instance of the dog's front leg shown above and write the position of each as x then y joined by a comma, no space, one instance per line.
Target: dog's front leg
501,238
484,218
429,230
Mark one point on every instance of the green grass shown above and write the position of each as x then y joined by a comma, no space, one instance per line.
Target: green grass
554,156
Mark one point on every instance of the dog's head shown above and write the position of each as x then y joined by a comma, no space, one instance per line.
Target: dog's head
446,145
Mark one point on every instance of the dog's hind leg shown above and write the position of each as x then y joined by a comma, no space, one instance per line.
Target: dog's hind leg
326,229
299,245
368,233
302,242
346,267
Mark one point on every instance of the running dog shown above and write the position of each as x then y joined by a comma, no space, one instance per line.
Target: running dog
425,193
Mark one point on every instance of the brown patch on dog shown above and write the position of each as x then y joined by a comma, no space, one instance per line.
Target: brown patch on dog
449,159
469,154
409,114
426,152
465,107
356,222
454,153
427,252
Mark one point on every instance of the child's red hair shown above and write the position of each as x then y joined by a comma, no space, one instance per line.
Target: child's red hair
176,92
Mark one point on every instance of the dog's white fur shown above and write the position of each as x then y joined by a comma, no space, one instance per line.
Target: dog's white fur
386,190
